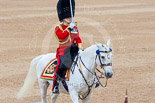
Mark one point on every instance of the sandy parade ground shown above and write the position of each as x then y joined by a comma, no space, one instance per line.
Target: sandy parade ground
27,30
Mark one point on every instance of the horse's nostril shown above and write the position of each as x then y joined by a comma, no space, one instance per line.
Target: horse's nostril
109,75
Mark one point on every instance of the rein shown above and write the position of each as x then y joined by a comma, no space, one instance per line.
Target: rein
89,86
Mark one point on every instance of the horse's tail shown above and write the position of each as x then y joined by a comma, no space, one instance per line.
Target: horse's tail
30,78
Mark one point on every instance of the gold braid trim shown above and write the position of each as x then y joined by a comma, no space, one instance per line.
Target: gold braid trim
59,39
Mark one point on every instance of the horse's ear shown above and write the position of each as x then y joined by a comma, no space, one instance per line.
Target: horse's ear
97,44
108,43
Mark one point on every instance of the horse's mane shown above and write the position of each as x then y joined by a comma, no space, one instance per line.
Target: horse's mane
88,50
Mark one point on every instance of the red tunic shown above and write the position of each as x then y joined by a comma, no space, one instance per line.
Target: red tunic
66,38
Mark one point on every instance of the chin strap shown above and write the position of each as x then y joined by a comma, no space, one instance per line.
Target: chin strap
68,22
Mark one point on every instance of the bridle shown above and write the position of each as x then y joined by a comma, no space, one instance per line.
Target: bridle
102,65
99,56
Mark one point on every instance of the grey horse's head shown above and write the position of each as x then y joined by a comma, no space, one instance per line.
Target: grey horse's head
104,56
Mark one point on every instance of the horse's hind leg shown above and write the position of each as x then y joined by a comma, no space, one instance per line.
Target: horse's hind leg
43,89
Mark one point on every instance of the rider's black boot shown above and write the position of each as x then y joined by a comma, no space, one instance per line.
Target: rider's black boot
56,87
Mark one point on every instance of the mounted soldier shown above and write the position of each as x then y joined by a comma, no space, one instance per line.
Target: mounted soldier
67,35
84,72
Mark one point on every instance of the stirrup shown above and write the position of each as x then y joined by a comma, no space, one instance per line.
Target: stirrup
97,85
56,90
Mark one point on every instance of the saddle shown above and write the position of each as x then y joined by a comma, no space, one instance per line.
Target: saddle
48,71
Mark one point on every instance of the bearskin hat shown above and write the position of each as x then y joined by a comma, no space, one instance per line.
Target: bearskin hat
63,9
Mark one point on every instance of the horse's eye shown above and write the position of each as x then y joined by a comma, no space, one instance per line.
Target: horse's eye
102,57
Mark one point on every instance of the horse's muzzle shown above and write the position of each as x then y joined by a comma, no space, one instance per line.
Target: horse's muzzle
109,75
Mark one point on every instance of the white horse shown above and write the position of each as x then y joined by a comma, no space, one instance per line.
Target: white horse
89,59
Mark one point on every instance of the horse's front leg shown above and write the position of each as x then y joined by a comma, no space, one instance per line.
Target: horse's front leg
88,97
74,96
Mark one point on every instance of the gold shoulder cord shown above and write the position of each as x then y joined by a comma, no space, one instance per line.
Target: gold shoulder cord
60,27
58,38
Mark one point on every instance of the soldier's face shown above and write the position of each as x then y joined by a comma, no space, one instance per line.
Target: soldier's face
68,20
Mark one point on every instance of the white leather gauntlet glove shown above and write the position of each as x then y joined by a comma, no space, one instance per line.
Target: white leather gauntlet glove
72,25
